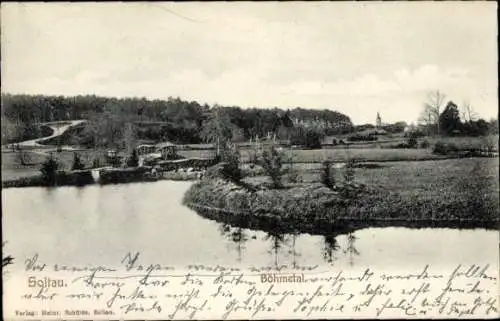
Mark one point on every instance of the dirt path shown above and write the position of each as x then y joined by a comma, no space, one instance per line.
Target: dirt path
58,129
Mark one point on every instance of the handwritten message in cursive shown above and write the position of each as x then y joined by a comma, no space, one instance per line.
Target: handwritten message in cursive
134,289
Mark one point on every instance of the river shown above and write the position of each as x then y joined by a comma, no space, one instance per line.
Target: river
104,223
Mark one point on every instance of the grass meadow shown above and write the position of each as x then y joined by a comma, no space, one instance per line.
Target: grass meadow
465,188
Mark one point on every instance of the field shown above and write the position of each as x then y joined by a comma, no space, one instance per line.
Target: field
454,193
336,154
468,142
440,189
463,188
11,169
410,182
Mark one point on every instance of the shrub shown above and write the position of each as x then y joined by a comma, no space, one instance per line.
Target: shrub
294,176
133,160
231,157
440,148
425,144
349,171
23,156
96,163
49,170
309,138
77,163
412,142
401,145
360,137
328,175
416,133
272,161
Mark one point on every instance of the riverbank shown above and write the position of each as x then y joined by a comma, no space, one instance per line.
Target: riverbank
96,176
452,193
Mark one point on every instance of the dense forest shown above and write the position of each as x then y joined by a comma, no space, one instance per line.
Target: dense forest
114,121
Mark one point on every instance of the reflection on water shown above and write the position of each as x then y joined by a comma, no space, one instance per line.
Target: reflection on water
351,248
330,246
293,251
276,241
237,235
106,222
280,244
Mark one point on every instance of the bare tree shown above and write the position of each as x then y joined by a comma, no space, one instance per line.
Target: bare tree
432,109
468,113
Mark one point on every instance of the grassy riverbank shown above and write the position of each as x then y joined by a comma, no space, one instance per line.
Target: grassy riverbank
452,193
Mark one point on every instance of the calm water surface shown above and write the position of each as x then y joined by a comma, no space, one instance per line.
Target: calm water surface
101,224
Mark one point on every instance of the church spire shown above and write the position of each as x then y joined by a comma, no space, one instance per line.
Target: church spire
378,121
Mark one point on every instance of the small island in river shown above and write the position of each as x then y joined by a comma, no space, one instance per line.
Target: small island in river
319,208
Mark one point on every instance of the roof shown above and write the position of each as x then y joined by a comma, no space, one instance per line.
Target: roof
164,144
145,145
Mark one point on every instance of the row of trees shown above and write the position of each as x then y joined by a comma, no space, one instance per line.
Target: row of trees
450,119
172,119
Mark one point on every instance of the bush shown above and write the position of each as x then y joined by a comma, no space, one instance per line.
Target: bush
401,145
425,144
328,175
294,176
77,163
96,163
349,171
272,161
412,142
49,170
416,133
23,156
442,148
358,137
231,157
133,161
311,138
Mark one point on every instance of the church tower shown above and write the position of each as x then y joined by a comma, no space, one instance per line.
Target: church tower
378,122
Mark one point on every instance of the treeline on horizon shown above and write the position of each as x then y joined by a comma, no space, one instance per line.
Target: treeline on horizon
174,119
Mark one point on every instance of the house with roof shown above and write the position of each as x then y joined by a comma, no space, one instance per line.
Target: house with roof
167,150
145,149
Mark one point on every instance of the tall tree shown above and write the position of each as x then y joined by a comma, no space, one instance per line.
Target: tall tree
218,129
432,110
449,119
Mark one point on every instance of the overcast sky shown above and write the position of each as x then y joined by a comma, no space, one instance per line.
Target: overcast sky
357,58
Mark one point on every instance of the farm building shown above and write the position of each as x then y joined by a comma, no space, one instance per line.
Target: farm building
167,150
145,149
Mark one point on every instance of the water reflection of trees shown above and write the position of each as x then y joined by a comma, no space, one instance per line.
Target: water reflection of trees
351,249
292,250
277,241
330,246
280,240
236,235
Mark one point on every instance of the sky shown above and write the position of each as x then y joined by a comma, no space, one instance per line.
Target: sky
356,58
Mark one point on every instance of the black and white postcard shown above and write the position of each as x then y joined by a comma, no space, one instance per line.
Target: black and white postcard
249,160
